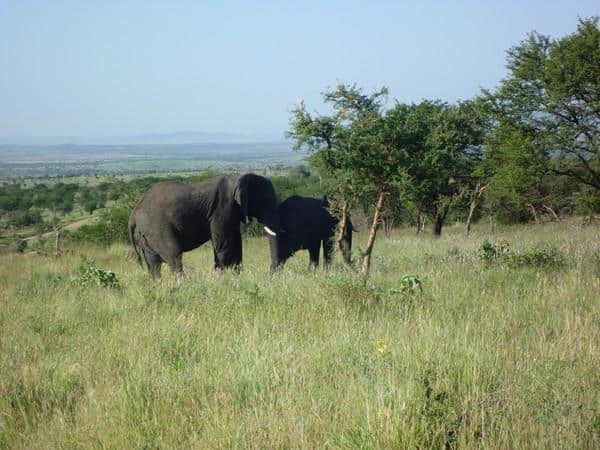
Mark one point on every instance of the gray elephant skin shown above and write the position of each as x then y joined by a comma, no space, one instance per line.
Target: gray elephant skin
307,224
173,218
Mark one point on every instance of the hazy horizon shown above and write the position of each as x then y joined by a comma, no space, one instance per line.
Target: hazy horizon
97,70
174,138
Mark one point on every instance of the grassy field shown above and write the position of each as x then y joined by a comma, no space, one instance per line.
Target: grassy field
496,354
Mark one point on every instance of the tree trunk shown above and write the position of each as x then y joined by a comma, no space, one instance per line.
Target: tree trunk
477,195
420,223
535,216
366,265
440,216
388,226
346,256
551,211
57,233
470,218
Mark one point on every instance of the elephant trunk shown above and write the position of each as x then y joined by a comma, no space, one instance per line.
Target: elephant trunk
274,248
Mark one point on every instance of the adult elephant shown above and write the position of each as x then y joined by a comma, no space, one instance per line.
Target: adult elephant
306,223
173,218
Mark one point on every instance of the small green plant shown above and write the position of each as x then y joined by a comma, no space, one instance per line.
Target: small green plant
89,274
409,285
490,252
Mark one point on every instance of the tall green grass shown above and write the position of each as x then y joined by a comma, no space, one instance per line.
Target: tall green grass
487,355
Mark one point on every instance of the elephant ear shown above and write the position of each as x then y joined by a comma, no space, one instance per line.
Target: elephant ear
240,196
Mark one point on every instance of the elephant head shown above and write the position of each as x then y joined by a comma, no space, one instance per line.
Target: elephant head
307,223
256,198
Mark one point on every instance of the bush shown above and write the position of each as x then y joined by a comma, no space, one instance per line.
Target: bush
27,218
109,229
89,274
543,256
409,285
490,252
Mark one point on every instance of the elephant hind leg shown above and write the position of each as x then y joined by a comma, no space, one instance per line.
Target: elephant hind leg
176,265
167,248
153,261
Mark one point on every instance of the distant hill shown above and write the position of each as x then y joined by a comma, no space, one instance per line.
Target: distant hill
180,137
116,159
174,138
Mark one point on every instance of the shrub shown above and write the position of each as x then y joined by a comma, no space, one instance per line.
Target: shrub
21,245
110,228
409,285
89,274
490,252
544,256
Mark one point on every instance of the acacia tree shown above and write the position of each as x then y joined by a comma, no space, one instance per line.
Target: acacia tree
552,95
425,151
352,146
440,145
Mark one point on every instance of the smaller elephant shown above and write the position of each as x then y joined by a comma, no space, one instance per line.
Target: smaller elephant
306,224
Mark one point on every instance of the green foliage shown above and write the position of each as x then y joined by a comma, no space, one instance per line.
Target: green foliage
440,144
587,201
409,285
88,274
552,96
544,256
540,256
111,227
425,151
519,182
26,218
346,145
301,182
21,246
492,252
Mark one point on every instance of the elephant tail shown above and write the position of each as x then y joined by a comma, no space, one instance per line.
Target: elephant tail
133,240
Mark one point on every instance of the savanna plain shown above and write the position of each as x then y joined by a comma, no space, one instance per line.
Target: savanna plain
448,343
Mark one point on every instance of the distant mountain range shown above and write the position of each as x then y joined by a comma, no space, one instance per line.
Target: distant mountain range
180,137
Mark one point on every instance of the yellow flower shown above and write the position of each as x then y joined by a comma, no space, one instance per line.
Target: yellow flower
381,346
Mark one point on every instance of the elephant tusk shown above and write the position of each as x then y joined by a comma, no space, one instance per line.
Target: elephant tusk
247,221
271,232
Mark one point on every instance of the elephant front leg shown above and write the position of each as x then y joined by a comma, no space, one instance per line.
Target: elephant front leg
313,254
227,251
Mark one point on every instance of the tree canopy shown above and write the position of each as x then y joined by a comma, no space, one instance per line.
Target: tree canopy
425,151
552,95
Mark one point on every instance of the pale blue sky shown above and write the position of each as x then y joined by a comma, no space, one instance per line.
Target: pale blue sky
106,68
